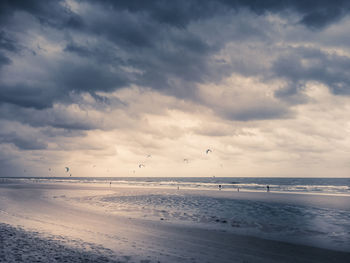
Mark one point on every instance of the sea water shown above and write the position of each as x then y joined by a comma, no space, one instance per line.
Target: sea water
293,185
310,225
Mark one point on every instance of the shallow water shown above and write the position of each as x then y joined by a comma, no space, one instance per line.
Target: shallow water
323,227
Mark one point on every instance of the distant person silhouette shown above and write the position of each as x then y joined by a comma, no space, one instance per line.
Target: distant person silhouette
267,188
110,184
237,189
220,186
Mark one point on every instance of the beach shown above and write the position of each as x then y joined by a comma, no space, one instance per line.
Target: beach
64,222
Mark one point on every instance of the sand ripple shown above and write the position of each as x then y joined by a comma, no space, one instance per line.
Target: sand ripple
17,245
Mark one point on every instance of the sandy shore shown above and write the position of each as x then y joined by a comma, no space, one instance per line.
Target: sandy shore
37,225
18,245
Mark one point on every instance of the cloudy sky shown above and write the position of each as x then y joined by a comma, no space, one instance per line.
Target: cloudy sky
100,85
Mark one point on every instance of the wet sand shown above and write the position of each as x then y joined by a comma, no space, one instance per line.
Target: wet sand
35,227
18,245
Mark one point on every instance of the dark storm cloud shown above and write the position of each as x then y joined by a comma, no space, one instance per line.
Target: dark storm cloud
80,50
55,118
26,96
159,54
6,43
115,44
51,12
315,13
4,60
142,53
89,77
22,142
302,65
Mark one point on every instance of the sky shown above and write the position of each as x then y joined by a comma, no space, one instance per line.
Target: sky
104,86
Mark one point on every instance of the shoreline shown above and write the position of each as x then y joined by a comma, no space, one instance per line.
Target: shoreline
106,185
68,181
316,199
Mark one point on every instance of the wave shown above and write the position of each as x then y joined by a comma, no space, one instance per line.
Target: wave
291,185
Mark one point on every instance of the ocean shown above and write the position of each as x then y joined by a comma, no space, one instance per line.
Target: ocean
293,185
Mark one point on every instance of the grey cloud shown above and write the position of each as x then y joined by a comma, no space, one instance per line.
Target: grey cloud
23,141
27,96
89,77
175,13
256,112
116,44
314,13
301,65
79,50
128,51
4,60
61,81
321,16
173,64
22,136
10,164
6,43
52,132
167,46
51,12
59,118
